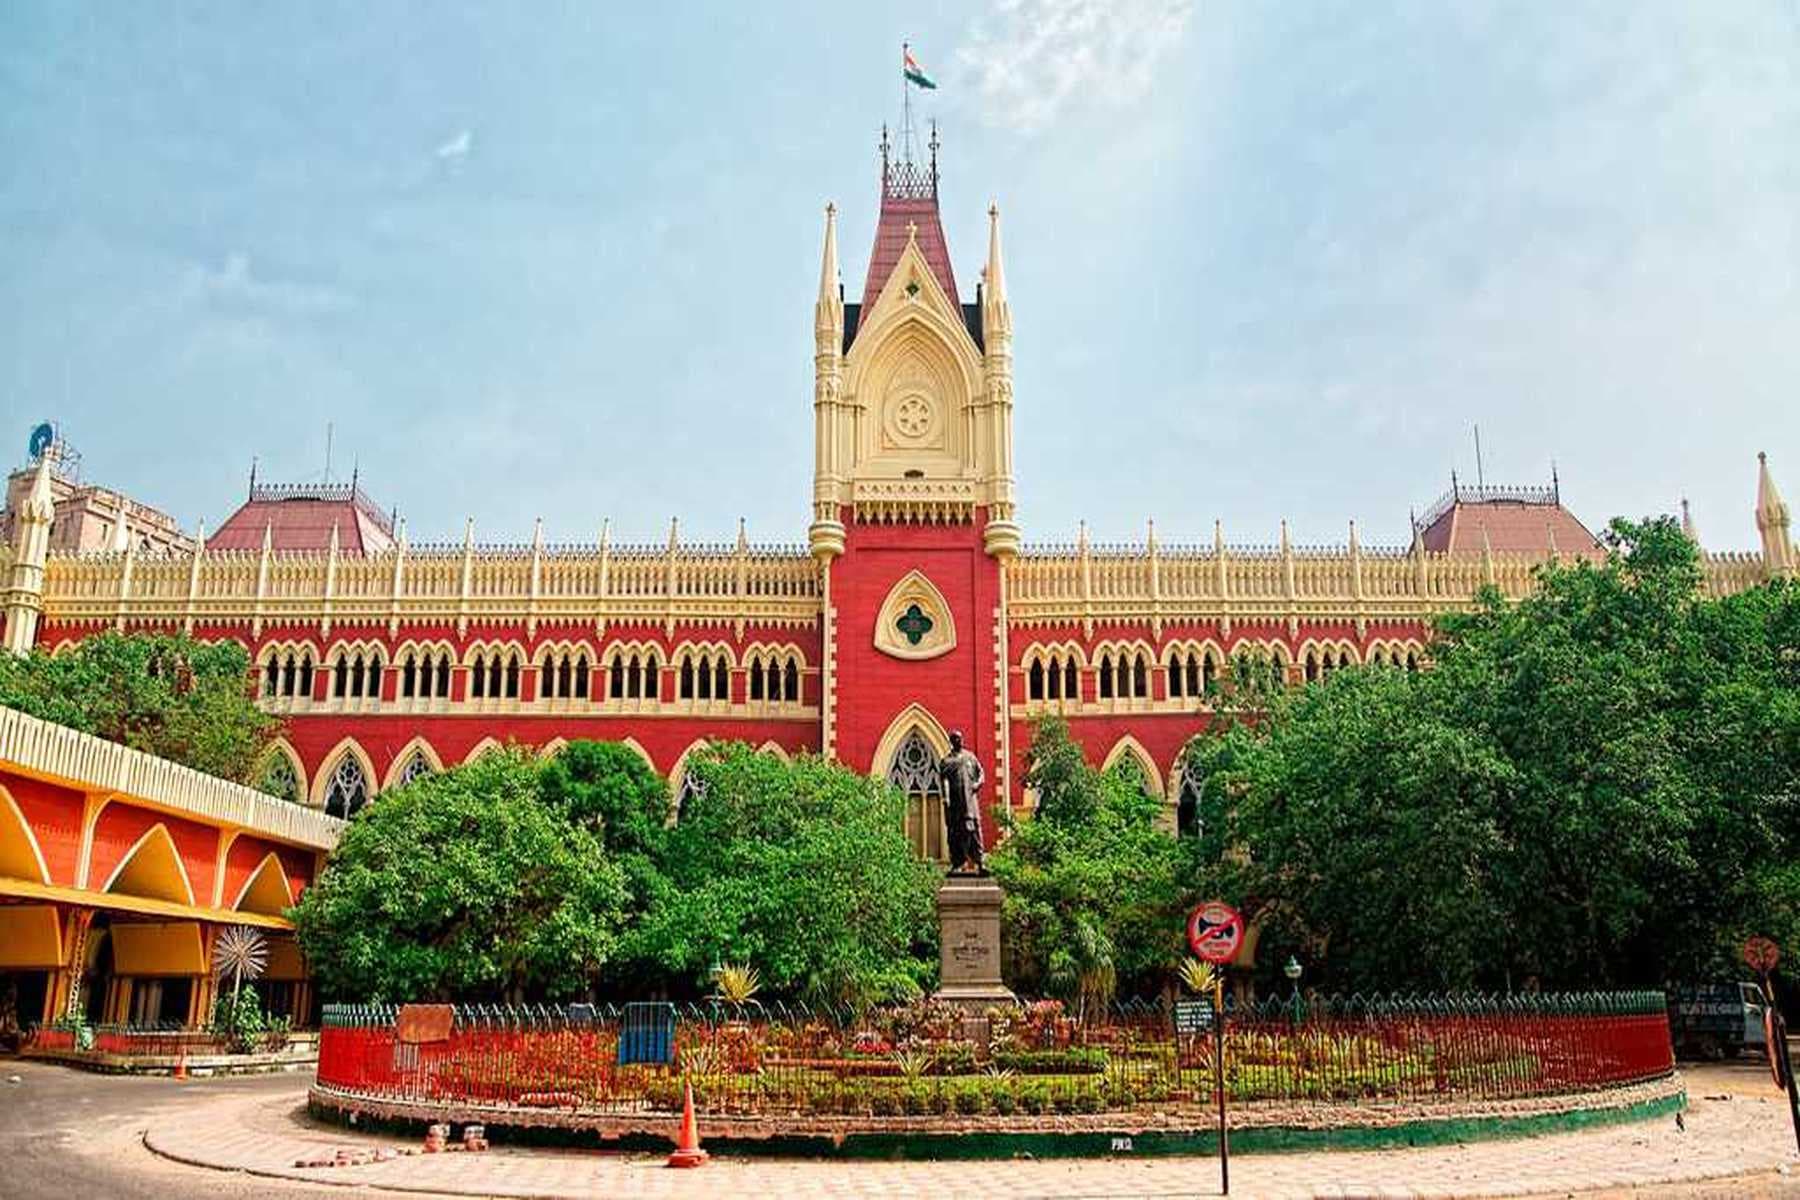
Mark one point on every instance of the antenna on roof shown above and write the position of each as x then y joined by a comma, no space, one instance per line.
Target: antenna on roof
1555,484
253,477
1480,475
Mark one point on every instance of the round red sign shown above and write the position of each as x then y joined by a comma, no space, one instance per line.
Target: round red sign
1761,954
1215,930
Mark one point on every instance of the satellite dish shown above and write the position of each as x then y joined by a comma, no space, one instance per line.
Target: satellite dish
41,437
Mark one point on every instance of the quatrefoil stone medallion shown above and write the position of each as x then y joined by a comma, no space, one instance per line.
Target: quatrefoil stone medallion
914,624
912,418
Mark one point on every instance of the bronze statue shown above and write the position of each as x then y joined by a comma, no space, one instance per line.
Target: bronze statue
962,777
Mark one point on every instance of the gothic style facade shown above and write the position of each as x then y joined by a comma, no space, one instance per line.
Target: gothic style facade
916,606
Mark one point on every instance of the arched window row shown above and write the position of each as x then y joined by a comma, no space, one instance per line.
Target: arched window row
703,675
1053,674
424,673
564,675
1123,675
634,674
1407,655
494,674
288,673
773,677
356,674
1319,661
1193,671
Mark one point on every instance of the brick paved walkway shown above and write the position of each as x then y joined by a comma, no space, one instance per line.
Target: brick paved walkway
1727,1134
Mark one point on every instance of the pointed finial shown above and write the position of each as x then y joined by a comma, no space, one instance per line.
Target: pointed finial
1769,505
743,542
468,533
828,266
1218,534
252,494
1687,522
605,532
1354,544
995,274
121,536
1284,536
400,530
40,502
1081,537
674,531
537,534
1550,532
268,542
912,233
334,538
200,537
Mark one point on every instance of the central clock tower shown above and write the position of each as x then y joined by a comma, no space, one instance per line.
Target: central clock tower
913,491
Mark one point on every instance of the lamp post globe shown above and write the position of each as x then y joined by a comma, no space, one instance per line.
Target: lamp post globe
1293,970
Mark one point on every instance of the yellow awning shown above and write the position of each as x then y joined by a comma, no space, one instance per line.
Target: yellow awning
25,889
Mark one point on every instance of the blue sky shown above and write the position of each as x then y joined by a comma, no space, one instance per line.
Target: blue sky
559,259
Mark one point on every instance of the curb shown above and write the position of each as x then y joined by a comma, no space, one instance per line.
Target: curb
967,1145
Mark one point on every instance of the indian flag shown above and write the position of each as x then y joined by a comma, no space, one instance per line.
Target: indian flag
909,67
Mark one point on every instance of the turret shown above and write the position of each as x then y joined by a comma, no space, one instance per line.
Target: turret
1001,537
1772,524
31,547
826,534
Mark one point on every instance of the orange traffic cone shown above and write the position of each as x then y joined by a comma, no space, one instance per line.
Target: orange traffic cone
687,1147
181,1065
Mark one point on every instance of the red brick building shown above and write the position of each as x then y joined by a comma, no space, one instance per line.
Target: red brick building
915,606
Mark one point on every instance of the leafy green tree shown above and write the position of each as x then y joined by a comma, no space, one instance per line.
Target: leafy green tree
1598,784
464,886
799,869
1090,877
167,695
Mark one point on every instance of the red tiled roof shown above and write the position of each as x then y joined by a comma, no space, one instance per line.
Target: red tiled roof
897,214
1512,527
301,518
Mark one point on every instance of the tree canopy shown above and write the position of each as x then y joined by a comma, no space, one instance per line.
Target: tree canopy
1090,876
164,694
1595,785
514,878
463,886
801,869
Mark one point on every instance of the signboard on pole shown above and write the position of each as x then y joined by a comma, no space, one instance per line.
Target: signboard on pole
1215,930
1761,954
1193,1016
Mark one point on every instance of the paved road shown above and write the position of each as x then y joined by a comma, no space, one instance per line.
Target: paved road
70,1134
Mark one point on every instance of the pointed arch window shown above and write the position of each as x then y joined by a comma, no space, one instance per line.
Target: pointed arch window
1106,677
915,772
692,788
417,767
1187,805
288,675
280,779
349,788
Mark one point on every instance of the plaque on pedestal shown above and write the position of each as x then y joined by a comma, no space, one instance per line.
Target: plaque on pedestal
969,932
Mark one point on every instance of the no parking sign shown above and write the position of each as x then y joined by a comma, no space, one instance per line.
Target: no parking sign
1215,930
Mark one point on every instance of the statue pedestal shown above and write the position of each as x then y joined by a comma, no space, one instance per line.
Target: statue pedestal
969,932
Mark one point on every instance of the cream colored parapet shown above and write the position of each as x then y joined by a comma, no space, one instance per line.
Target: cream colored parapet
410,585
1096,585
98,767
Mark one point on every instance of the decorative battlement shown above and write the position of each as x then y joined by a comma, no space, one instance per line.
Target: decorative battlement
331,493
1461,493
670,585
904,179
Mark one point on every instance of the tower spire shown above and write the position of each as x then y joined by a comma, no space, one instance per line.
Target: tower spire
1772,523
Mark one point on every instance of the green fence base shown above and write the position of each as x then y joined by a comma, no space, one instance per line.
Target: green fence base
949,1145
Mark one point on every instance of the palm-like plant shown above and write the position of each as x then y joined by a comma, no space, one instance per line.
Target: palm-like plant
1199,977
736,984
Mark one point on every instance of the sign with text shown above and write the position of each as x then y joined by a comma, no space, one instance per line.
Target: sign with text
1215,931
1193,1016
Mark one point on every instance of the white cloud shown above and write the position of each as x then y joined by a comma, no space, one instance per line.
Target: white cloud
234,285
1028,59
458,147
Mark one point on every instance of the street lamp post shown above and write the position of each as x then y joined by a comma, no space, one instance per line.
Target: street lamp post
1293,971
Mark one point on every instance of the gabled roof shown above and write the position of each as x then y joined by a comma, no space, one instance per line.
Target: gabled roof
302,516
909,208
1517,521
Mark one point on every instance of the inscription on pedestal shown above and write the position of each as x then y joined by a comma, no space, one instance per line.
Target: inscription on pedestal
969,939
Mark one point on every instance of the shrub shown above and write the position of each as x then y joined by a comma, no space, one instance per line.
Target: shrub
1077,1060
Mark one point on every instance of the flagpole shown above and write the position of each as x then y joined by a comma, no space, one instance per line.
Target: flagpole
905,106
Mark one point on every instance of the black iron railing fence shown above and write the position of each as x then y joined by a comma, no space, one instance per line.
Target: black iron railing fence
928,1059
